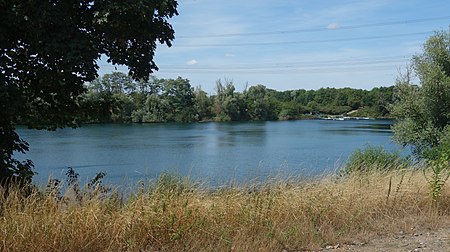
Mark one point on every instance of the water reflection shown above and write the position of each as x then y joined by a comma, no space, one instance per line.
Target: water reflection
351,128
231,134
379,126
207,151
359,131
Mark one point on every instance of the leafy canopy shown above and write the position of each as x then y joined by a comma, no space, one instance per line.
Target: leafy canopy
423,110
50,48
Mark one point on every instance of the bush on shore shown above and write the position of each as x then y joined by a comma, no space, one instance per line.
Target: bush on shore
376,158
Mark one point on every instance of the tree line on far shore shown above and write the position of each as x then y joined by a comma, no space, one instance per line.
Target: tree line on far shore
116,97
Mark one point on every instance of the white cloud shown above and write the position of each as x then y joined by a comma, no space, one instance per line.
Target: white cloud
229,55
191,62
332,26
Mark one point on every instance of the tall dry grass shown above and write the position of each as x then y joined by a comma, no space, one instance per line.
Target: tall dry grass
175,216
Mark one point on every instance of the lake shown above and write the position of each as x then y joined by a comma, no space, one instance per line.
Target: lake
211,152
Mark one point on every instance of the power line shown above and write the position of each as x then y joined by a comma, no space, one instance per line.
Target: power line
339,60
319,63
319,29
307,41
315,63
356,64
276,68
336,69
284,70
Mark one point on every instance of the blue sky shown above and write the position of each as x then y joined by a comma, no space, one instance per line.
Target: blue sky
294,44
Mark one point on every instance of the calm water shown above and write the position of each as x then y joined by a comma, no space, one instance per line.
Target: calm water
210,152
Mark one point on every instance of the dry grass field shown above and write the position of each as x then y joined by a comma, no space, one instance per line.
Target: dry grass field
176,215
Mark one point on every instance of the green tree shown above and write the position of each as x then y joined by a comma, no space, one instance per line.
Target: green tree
157,109
98,107
117,83
228,104
382,99
180,96
235,108
222,93
125,107
355,99
218,99
203,104
113,91
291,110
260,104
105,98
423,110
143,88
50,48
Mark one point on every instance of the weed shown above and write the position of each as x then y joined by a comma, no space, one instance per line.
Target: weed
439,175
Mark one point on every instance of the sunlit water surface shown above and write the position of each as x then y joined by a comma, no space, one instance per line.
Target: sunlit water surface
211,152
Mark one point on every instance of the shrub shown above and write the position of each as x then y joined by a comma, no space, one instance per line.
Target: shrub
375,158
